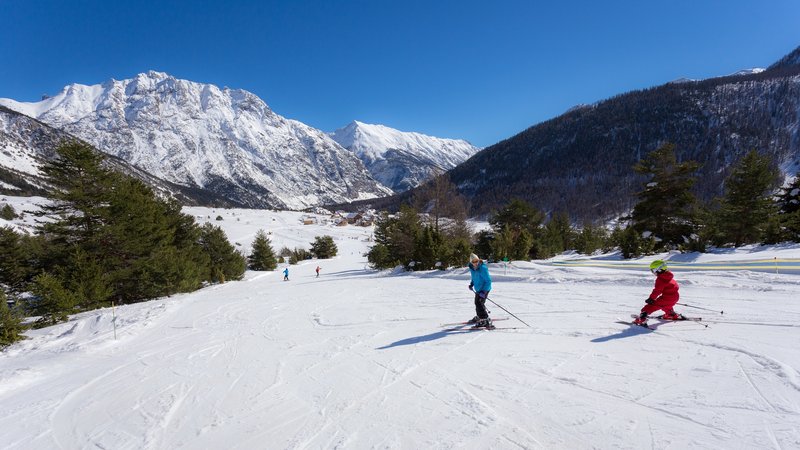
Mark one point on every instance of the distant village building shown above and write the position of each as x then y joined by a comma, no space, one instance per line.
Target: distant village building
353,218
362,218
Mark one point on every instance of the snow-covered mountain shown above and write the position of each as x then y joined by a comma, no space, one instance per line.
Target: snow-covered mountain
198,135
752,71
26,144
398,159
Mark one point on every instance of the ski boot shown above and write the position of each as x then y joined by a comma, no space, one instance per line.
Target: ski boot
641,320
484,323
672,315
473,320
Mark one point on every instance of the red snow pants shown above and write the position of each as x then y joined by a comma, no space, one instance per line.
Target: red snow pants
664,305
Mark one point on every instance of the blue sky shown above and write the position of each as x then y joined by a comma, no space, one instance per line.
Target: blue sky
477,70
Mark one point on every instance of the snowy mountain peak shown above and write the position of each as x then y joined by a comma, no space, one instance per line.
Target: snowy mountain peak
400,159
198,135
752,71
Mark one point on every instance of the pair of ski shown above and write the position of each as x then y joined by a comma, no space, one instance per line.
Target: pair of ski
456,326
661,317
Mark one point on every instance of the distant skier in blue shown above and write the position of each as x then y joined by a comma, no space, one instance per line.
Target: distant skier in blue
481,284
286,274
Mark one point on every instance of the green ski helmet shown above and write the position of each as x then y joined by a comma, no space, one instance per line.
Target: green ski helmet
658,266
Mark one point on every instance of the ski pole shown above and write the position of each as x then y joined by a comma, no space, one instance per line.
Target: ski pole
487,298
697,307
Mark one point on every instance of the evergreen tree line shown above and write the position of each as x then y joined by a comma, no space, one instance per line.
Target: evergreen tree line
433,233
105,237
263,255
667,216
753,209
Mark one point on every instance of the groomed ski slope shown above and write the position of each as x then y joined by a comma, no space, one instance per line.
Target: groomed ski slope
357,359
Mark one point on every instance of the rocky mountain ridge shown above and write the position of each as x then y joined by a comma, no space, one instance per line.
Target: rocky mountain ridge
199,136
398,159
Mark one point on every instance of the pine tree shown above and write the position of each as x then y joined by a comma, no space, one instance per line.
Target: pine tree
502,246
457,253
556,237
746,205
666,205
53,302
516,226
484,244
395,239
456,246
428,248
7,212
262,257
153,247
632,244
299,254
518,215
226,262
324,247
788,202
522,245
10,323
590,238
191,261
14,269
404,234
87,281
80,194
379,257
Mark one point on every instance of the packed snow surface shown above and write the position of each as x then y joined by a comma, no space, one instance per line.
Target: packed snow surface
359,358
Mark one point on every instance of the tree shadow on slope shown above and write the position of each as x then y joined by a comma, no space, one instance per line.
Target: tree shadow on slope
427,337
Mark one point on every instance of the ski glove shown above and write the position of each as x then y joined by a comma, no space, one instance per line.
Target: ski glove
483,294
649,301
470,286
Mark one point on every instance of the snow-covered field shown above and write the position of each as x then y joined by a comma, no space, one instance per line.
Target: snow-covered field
360,359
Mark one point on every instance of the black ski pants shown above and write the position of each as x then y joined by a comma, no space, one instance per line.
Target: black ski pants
480,306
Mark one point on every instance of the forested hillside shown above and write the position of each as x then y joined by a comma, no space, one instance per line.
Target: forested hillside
581,162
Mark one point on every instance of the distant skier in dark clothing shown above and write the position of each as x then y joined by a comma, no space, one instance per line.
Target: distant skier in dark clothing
317,270
664,296
481,284
286,274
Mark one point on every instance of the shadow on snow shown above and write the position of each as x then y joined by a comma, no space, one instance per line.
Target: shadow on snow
633,330
427,337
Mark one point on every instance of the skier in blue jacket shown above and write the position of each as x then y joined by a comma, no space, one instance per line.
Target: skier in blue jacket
481,284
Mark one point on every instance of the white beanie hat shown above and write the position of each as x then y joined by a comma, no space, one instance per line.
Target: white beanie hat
473,257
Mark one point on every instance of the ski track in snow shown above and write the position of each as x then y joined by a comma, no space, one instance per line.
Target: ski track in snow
357,359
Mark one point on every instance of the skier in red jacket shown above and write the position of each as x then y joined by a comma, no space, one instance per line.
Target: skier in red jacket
664,296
